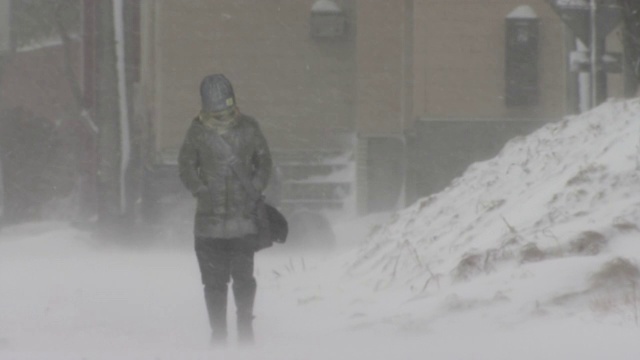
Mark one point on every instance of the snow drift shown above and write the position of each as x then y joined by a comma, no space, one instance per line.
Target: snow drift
551,223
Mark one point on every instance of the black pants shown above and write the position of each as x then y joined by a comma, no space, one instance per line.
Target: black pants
221,260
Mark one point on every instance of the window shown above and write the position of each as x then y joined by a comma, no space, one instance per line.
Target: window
327,20
521,63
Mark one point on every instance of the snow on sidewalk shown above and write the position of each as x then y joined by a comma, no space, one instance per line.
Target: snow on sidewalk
530,255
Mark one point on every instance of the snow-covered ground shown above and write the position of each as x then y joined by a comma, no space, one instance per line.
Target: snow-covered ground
530,255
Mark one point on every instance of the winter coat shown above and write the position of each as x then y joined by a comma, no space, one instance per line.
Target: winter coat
224,208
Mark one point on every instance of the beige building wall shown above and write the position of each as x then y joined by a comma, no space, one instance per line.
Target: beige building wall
444,60
400,60
300,89
460,60
448,57
380,73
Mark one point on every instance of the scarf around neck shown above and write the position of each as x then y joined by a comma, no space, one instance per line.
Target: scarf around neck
215,122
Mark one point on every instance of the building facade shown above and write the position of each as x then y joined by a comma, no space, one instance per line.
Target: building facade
442,84
398,84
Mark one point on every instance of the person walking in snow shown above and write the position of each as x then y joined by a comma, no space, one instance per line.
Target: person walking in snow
225,226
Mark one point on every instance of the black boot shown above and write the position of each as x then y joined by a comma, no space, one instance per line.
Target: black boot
216,299
244,295
245,329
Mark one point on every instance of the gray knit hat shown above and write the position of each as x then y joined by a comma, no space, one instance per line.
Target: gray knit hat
216,93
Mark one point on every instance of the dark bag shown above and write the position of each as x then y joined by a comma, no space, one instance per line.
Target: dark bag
272,225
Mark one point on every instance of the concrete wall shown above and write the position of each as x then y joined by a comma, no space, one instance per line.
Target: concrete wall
440,151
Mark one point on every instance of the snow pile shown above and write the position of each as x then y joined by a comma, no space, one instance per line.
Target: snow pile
550,224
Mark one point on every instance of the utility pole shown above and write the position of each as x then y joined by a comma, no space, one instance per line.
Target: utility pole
107,113
123,106
5,50
594,53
